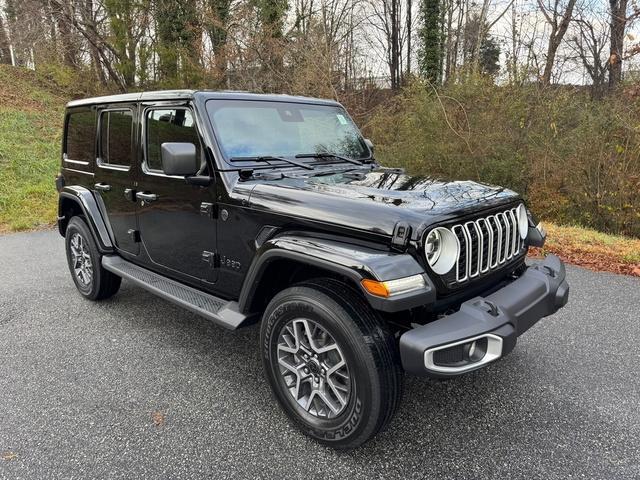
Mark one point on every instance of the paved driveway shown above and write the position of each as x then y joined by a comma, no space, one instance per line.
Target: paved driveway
134,387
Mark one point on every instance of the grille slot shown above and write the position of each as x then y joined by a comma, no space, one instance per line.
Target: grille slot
486,244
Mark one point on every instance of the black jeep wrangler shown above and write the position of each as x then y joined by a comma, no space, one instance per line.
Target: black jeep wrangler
244,208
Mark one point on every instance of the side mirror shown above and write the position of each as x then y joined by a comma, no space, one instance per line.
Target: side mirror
179,159
369,144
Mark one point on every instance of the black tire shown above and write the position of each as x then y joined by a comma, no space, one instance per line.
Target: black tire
103,284
369,349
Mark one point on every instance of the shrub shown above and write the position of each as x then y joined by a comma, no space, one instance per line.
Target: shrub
575,159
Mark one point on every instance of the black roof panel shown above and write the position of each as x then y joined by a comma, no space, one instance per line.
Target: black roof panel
189,94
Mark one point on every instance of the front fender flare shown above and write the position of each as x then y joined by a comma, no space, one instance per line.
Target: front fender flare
352,261
85,200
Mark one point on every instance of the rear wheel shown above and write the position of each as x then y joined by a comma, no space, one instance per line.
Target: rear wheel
84,260
331,363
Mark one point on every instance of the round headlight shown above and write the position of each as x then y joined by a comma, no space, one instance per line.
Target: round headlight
523,221
441,249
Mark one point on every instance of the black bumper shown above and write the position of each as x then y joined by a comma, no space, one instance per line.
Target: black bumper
500,317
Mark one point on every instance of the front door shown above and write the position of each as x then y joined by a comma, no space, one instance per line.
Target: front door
115,176
176,229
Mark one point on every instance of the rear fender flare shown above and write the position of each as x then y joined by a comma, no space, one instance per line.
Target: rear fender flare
85,200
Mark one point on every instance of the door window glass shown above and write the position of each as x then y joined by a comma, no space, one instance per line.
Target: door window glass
168,125
115,137
81,131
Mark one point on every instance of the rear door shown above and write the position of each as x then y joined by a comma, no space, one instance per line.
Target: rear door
177,227
115,174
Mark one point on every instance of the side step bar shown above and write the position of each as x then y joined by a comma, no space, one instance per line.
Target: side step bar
222,312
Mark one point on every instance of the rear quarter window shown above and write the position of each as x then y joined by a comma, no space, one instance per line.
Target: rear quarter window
116,127
79,143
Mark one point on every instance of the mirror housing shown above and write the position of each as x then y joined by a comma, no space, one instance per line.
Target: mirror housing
369,144
179,159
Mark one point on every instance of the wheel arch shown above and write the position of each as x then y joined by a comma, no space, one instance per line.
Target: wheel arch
75,200
286,260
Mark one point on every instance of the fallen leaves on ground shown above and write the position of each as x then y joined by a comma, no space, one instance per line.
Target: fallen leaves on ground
158,418
591,249
8,456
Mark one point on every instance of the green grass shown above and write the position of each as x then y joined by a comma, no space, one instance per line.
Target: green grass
30,129
29,160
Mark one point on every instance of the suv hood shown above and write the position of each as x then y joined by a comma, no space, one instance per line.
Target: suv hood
375,200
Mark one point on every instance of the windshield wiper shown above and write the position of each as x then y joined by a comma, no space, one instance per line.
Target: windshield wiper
270,158
330,155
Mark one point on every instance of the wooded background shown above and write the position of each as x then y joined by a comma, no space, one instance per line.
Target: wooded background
538,95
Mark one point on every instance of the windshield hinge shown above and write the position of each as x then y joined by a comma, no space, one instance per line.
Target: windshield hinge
211,258
401,233
208,209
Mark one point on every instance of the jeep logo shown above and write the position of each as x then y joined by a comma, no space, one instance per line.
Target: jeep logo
226,262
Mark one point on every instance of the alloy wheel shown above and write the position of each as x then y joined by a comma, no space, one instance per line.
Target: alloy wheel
81,260
313,368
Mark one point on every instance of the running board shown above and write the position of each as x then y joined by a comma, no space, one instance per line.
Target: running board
222,312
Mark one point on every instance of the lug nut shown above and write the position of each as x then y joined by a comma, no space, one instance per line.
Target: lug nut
306,370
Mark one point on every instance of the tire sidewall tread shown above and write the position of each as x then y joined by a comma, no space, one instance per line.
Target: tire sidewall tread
346,315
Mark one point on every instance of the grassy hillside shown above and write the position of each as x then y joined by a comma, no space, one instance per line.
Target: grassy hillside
31,113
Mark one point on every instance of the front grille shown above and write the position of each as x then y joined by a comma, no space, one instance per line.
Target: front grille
486,244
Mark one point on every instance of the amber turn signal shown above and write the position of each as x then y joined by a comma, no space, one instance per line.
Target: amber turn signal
393,287
376,288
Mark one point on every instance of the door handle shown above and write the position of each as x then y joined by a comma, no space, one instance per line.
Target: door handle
103,187
146,197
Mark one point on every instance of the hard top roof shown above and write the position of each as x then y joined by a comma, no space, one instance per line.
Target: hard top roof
190,94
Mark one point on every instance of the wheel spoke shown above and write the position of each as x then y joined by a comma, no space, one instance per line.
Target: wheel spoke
313,368
334,408
81,259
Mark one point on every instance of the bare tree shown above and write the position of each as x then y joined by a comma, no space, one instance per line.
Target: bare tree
69,51
385,29
558,16
590,44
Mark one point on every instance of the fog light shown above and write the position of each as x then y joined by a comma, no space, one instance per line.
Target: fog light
464,355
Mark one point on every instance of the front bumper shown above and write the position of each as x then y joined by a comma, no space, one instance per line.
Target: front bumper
493,323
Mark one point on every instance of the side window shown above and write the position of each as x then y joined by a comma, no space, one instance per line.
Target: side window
81,131
115,137
168,125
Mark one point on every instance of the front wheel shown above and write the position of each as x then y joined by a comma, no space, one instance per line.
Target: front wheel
331,363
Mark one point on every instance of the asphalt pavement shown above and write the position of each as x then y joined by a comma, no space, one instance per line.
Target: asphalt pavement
134,387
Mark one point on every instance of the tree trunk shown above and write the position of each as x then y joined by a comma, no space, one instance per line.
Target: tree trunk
449,42
217,31
551,58
96,63
132,43
409,32
5,47
557,34
69,54
395,53
618,27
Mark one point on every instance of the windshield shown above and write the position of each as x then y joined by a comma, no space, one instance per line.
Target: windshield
249,128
